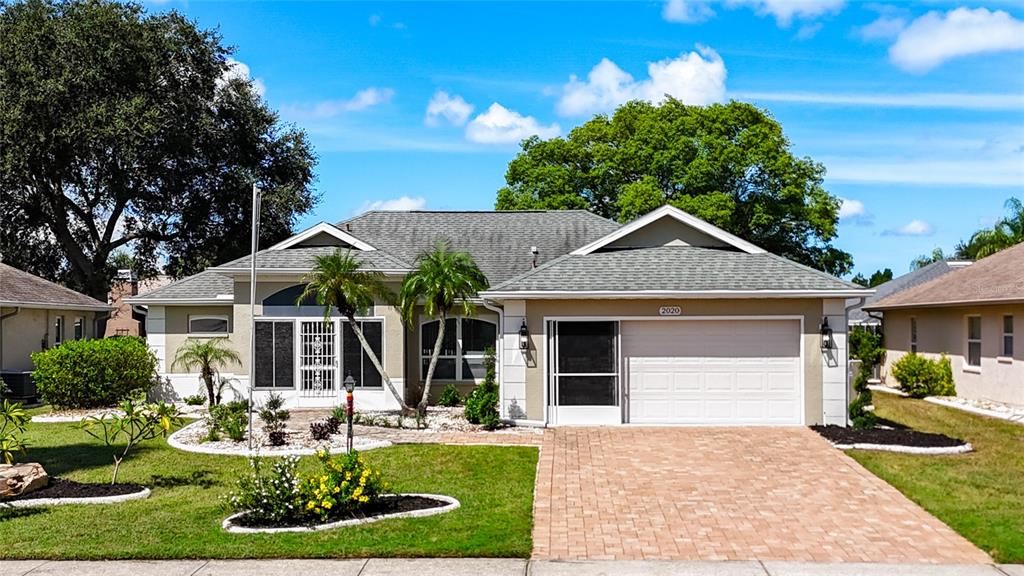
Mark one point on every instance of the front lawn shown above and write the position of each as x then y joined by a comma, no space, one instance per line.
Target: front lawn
980,494
182,517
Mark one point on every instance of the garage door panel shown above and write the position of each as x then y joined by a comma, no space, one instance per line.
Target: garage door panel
713,371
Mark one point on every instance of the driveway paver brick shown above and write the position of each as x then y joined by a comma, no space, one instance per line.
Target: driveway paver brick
712,494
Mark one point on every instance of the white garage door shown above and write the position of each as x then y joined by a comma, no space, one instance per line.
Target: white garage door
716,372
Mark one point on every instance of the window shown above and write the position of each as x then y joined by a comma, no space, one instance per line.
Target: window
275,354
913,335
58,330
462,350
357,362
79,328
1008,336
586,363
198,324
974,341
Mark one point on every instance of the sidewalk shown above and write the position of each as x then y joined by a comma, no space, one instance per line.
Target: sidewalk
484,567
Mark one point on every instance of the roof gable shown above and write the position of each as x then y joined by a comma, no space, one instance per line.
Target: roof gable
323,234
668,226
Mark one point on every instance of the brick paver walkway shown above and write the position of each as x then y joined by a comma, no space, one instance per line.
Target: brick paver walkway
724,494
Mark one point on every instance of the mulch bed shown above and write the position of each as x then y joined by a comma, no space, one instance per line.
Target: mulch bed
889,437
379,508
61,488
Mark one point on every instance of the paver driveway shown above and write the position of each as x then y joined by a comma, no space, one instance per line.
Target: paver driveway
724,494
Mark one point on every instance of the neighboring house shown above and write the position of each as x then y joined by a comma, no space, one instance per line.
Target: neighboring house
859,317
36,314
971,314
665,320
127,319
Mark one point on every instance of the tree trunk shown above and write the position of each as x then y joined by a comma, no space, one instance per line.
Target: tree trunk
117,464
421,408
376,362
208,380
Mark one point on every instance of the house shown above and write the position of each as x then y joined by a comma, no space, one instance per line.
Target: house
859,317
666,320
127,319
36,314
971,315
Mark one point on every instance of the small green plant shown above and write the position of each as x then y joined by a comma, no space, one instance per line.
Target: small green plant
135,423
450,396
94,373
231,418
195,400
274,417
269,496
13,421
340,413
919,377
4,389
482,403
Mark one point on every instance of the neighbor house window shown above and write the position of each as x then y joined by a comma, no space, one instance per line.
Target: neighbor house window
974,341
1008,336
79,328
200,324
58,330
913,335
275,354
462,349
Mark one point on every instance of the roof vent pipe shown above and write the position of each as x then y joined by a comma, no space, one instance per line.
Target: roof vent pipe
533,250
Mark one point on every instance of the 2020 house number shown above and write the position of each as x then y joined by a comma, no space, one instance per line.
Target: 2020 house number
670,310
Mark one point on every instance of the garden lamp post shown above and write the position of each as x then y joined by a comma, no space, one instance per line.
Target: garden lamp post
350,387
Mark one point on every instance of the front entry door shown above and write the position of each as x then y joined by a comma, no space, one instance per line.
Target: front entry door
318,361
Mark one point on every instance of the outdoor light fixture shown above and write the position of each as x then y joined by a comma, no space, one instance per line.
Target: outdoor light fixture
827,341
524,337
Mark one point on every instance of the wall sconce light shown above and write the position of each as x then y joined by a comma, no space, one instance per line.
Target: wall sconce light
827,340
524,337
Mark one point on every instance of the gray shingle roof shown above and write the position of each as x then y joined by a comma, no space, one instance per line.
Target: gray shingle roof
205,286
19,288
673,269
901,283
500,242
304,258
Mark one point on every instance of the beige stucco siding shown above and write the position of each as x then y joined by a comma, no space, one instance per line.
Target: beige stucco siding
809,309
944,331
176,330
24,333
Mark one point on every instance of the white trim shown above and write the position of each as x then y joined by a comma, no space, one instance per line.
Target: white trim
323,228
54,306
220,300
450,504
678,215
684,294
899,448
30,502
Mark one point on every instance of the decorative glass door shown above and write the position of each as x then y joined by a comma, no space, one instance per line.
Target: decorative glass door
318,359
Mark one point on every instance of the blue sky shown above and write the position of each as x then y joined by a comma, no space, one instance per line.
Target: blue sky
916,109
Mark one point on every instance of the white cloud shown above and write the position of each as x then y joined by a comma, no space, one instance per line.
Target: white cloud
951,100
374,19
241,71
362,100
932,39
1001,171
451,109
693,78
885,27
912,228
808,31
785,11
854,212
499,125
687,11
394,204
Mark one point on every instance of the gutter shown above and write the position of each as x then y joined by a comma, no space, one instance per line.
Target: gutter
53,306
681,294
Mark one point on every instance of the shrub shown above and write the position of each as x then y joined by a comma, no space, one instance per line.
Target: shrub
274,418
340,413
344,483
321,430
195,400
482,403
450,396
269,496
867,345
135,423
4,389
919,377
94,373
231,418
13,420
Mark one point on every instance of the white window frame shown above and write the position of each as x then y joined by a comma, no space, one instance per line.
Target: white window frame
223,317
460,353
1007,354
79,328
968,367
913,334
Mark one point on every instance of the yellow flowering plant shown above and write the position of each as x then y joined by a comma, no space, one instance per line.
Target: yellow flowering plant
344,483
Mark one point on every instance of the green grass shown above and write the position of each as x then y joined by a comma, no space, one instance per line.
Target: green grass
182,517
980,494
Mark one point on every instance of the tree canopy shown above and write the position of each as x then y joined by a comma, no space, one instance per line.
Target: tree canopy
877,277
128,132
729,164
1006,232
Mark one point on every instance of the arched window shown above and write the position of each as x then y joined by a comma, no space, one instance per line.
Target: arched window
462,351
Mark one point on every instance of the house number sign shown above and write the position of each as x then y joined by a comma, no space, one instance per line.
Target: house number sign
670,311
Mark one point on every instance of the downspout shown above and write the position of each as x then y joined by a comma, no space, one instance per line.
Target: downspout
499,351
17,309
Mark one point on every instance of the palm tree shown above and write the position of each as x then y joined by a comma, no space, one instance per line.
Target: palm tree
208,356
1006,232
443,280
336,281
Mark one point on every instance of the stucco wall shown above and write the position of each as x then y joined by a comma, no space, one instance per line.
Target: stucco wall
944,330
810,309
24,333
